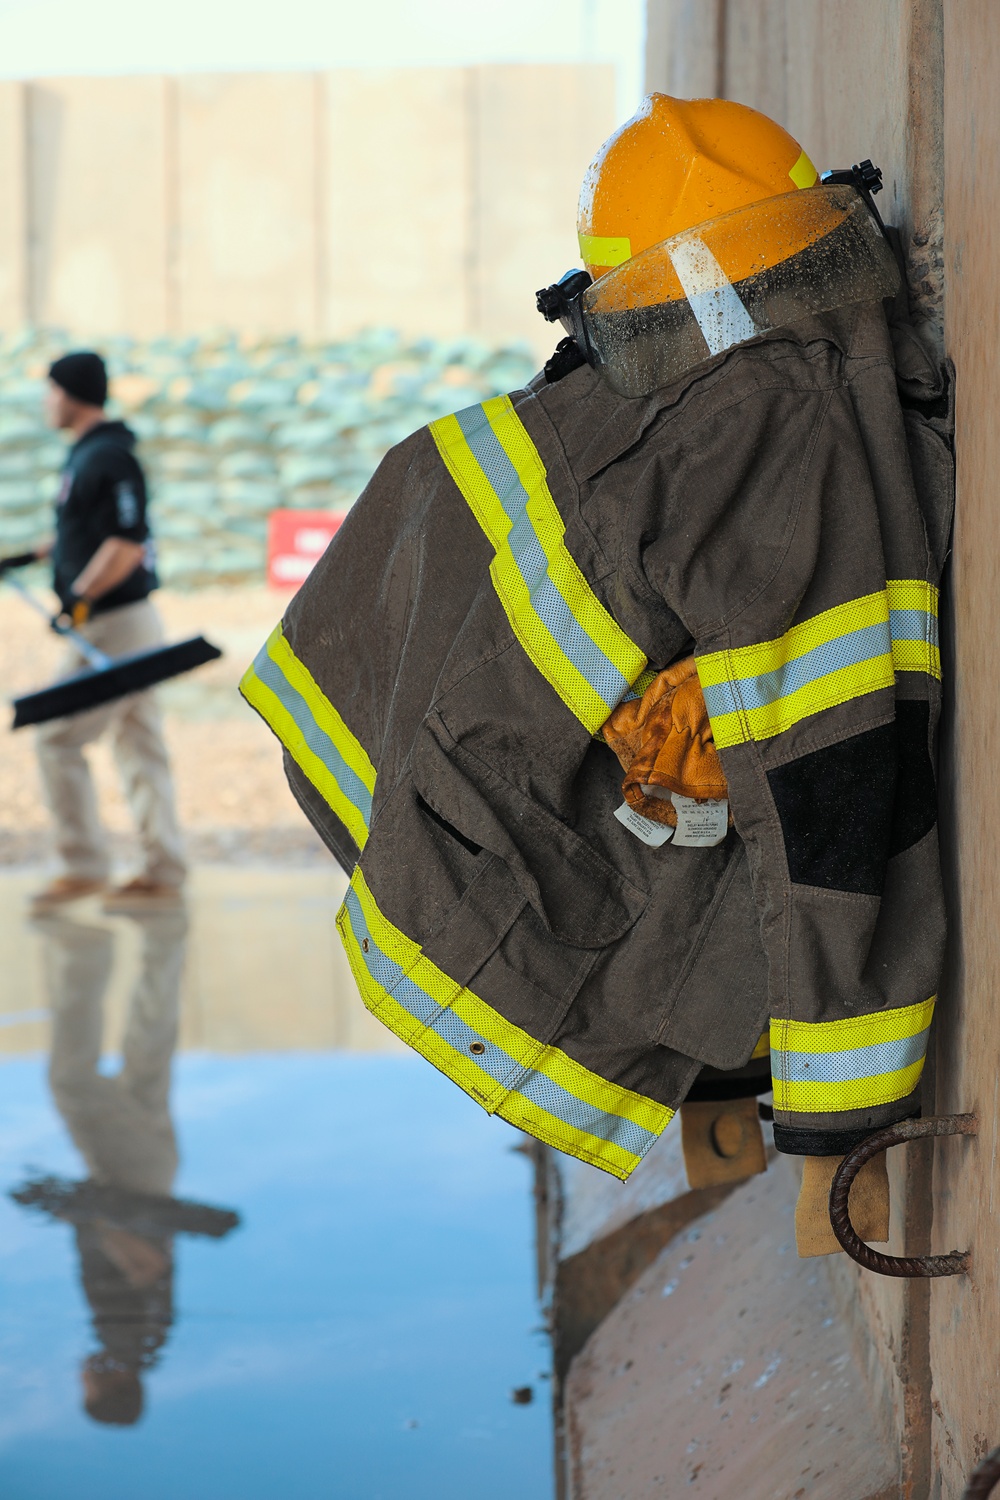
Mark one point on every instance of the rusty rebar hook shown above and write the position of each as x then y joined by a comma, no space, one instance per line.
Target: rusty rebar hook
953,1264
983,1477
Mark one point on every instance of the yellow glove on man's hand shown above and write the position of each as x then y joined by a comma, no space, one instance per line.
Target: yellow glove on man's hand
80,612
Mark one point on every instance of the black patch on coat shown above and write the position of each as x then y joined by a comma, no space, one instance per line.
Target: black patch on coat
836,808
915,811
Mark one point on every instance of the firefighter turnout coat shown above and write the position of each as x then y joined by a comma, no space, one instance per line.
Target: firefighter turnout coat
513,572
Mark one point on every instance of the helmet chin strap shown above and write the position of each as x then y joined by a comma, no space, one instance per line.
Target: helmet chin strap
560,303
867,179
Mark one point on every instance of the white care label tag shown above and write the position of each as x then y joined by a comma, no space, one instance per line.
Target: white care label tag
653,834
699,823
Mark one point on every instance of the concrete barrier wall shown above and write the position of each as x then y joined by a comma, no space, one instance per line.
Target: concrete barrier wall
432,199
96,210
911,83
13,207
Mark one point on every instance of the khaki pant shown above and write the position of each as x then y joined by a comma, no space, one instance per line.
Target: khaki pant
137,742
121,1124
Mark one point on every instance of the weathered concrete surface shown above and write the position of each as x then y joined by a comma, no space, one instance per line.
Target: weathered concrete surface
535,132
97,203
436,200
395,175
965,1312
601,1234
13,204
247,247
727,1372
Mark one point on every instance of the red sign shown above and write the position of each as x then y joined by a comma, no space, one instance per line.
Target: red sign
296,540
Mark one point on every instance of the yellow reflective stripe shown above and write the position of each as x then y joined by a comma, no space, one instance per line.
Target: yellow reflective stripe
856,1093
913,620
642,682
762,1048
917,656
283,691
856,1031
565,573
605,250
507,1071
913,594
755,692
803,174
863,1061
563,627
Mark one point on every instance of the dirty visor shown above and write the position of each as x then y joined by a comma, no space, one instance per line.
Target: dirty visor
769,265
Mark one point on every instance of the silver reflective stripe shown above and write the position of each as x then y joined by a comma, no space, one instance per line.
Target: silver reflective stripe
493,1060
848,650
319,742
534,565
852,1063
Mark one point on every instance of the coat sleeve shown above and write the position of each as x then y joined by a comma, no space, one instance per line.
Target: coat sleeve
815,637
119,498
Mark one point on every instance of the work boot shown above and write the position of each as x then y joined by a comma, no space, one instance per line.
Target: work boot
142,894
61,891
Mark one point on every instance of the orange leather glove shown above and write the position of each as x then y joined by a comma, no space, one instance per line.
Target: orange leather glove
664,742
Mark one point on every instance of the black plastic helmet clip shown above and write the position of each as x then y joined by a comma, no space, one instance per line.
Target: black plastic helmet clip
867,179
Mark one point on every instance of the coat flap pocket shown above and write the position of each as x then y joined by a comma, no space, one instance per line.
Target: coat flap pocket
577,894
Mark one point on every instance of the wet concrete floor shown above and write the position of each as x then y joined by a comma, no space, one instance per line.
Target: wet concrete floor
249,1246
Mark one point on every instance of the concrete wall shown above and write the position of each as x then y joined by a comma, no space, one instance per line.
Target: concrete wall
13,206
96,202
248,246
435,200
849,79
965,1313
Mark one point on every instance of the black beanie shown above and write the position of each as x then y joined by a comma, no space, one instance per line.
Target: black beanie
83,376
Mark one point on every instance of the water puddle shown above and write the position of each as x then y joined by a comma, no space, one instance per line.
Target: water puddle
271,1252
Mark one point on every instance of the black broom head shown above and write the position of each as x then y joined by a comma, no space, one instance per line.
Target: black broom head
97,685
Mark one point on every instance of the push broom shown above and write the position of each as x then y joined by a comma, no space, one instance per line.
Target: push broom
107,677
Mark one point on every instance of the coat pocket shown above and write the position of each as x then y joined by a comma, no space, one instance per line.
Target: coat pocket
718,1007
577,895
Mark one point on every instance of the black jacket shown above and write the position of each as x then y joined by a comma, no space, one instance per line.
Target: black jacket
103,494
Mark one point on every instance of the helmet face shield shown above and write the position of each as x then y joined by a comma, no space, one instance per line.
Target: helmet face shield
771,264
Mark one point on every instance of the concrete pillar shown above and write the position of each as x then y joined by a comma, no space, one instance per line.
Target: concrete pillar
965,1311
248,182
683,52
96,195
13,208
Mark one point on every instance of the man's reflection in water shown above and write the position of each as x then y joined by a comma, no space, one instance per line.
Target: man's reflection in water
123,1215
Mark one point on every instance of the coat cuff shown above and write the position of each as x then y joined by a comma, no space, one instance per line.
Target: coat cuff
793,1140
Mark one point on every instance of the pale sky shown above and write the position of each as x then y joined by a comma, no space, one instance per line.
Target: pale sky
40,38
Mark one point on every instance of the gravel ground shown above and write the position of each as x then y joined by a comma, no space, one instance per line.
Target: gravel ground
233,798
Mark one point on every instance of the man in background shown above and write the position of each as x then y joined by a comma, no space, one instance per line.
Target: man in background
103,573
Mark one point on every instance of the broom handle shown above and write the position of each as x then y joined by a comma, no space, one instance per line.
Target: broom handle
97,659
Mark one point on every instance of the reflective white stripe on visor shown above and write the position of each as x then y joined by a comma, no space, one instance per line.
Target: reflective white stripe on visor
722,317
